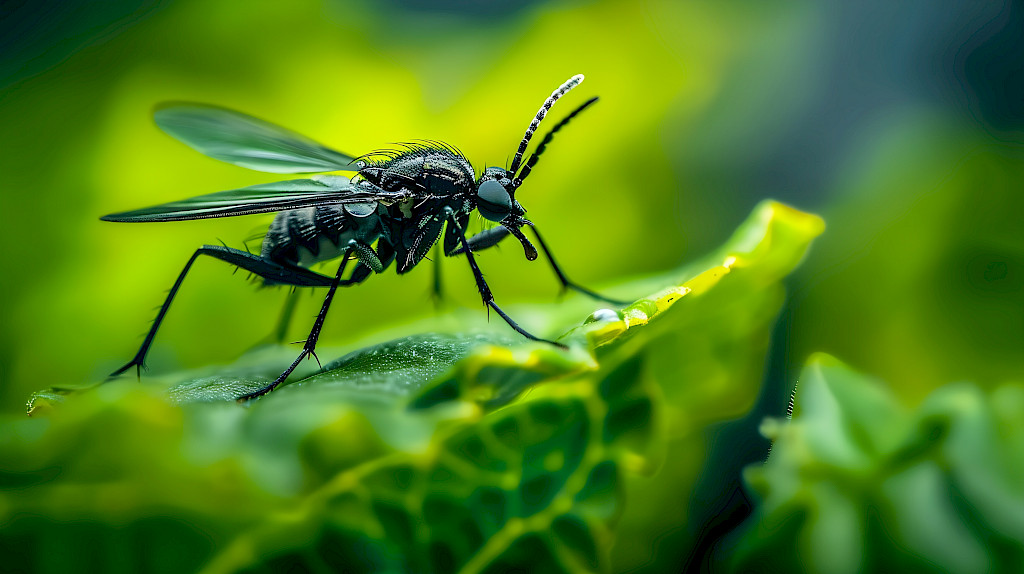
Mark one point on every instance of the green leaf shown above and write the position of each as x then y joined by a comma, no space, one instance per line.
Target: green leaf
428,453
856,482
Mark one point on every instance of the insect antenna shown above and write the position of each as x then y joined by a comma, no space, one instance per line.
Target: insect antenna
547,139
561,91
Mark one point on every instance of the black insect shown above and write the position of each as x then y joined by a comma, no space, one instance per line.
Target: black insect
393,210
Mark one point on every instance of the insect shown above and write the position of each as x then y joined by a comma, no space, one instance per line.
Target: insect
393,210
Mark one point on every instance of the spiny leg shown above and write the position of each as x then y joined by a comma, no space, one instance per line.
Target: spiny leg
491,237
436,288
262,267
368,261
485,239
565,281
485,291
309,348
280,333
287,312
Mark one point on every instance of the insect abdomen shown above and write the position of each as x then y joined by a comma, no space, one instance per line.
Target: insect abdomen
307,236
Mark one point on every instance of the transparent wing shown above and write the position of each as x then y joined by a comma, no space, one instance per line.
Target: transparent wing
263,198
250,142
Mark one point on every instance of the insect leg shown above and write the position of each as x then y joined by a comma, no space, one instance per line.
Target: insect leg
366,255
436,290
269,270
281,332
565,281
371,264
481,284
309,348
491,237
483,240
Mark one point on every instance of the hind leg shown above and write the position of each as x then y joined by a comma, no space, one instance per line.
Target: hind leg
270,271
285,319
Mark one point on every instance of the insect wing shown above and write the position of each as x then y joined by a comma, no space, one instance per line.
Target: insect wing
262,198
246,141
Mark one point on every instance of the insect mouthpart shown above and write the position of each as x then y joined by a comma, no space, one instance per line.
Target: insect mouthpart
512,224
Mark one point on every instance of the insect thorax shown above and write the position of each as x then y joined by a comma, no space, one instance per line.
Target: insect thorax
423,170
432,177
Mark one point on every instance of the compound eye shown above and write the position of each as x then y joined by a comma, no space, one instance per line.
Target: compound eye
493,200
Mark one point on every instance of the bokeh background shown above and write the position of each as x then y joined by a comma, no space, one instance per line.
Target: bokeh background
900,123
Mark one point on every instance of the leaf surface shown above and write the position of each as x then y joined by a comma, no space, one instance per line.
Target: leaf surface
431,452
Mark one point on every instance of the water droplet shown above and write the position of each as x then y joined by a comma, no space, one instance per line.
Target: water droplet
603,315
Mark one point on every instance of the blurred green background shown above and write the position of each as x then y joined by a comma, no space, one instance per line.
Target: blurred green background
900,123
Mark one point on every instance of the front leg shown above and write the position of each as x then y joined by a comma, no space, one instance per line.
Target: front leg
565,281
483,240
481,284
491,237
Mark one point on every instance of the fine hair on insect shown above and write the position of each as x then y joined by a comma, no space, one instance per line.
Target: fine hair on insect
397,204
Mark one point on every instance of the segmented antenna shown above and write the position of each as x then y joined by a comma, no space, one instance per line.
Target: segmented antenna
561,91
547,139
792,403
